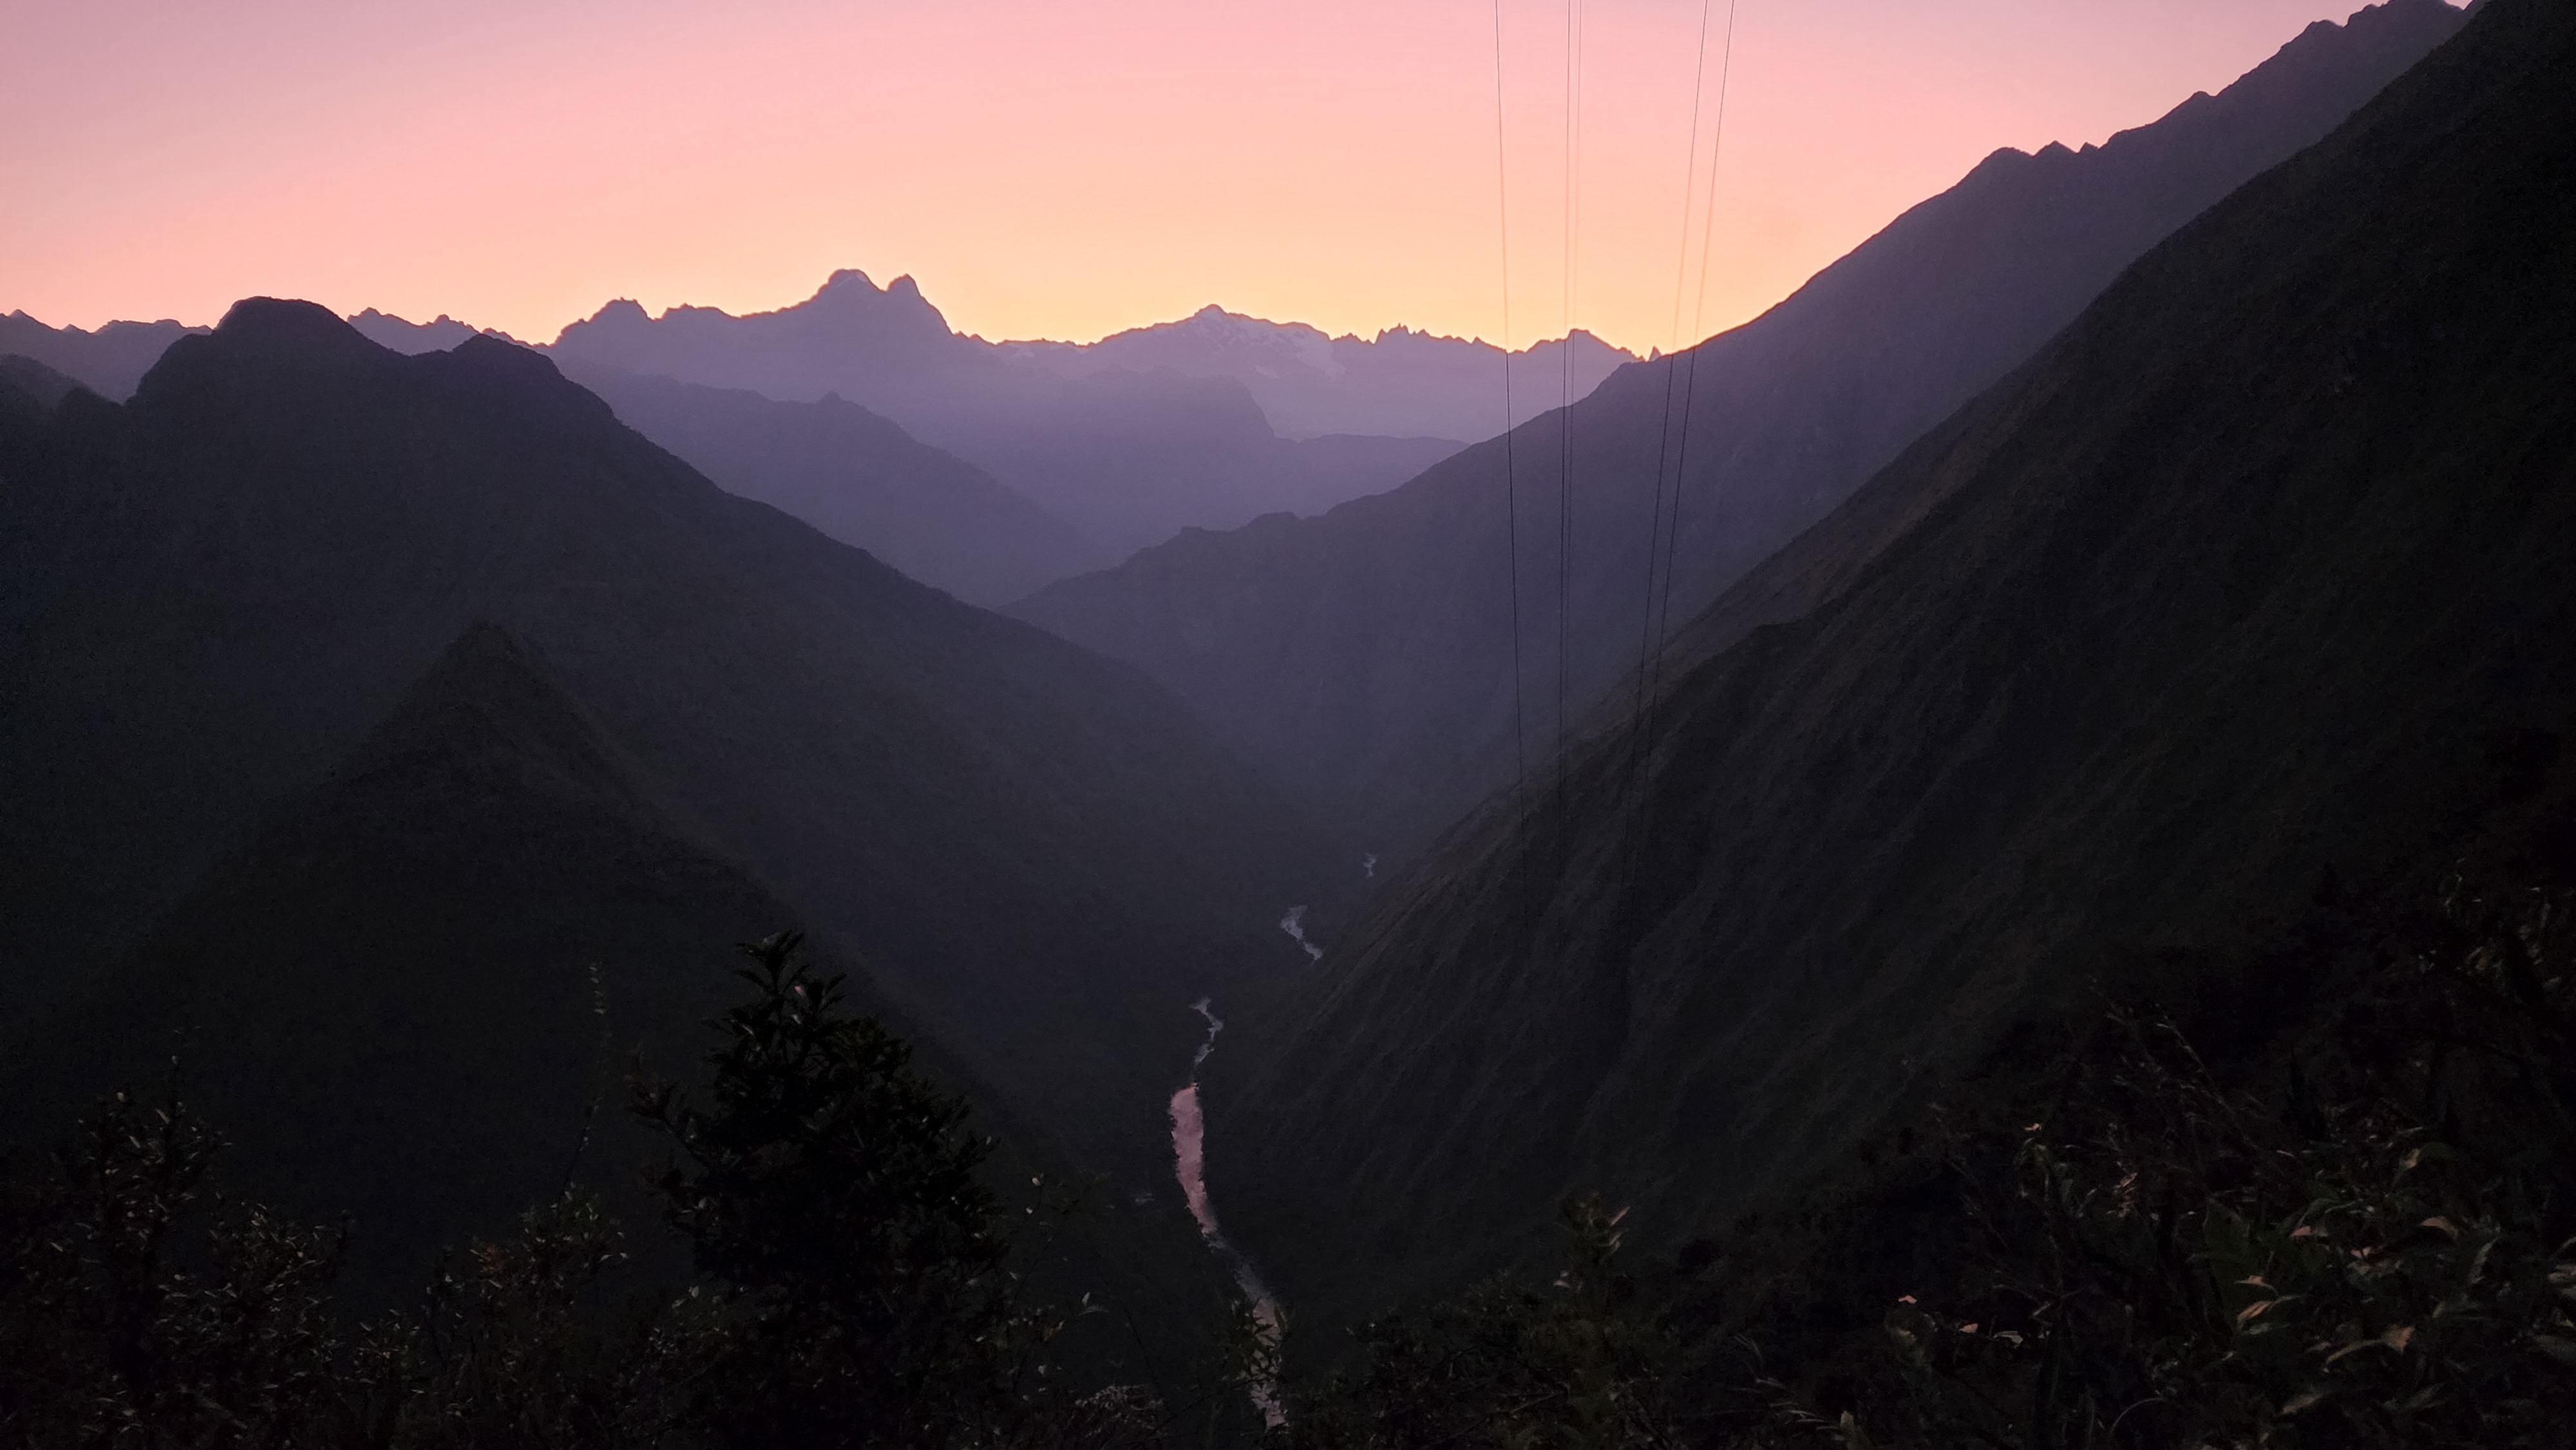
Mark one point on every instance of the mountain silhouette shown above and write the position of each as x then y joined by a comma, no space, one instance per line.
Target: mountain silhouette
108,362
34,383
408,337
216,590
1367,656
1310,384
1123,442
2251,579
1127,455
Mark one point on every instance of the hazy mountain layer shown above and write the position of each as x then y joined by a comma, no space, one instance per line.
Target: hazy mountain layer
1367,656
1127,456
108,362
213,592
856,476
409,338
1107,447
2250,582
1310,383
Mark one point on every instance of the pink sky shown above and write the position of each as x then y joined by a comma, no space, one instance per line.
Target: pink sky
1044,169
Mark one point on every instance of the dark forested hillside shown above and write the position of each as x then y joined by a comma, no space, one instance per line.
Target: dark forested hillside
1366,656
440,962
857,477
2249,583
214,592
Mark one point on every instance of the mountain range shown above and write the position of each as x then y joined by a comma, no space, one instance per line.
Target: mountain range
2242,594
1393,660
1062,457
1127,455
1309,383
109,362
225,609
855,475
2118,559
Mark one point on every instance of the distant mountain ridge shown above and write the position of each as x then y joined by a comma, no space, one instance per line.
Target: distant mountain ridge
1123,445
2245,592
1400,383
110,361
1367,656
1126,441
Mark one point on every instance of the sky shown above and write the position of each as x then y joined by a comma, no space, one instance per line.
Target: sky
1043,168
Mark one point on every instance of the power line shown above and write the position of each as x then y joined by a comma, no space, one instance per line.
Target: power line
1571,280
1672,366
1699,307
1511,482
1662,624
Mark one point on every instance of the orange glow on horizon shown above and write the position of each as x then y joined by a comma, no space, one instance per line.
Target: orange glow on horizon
1043,170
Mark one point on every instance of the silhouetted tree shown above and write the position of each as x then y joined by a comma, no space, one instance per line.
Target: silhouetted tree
864,1265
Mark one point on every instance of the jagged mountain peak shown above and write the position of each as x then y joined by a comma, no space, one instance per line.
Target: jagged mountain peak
285,325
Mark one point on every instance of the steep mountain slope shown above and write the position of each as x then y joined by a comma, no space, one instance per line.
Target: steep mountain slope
856,476
213,592
1400,383
34,382
415,996
2252,578
1367,656
1127,456
415,999
29,391
109,361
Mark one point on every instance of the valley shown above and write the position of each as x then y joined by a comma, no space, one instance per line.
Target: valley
804,877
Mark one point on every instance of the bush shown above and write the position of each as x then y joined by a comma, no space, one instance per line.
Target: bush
2362,1234
856,1286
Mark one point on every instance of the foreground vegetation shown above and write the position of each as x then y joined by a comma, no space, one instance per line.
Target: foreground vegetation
2352,1227
857,1282
2337,1207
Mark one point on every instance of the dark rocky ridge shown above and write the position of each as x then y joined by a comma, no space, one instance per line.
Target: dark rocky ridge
2253,577
1366,656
